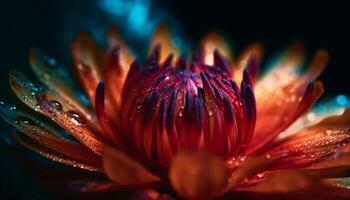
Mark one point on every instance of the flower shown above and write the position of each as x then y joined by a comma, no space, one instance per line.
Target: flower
205,128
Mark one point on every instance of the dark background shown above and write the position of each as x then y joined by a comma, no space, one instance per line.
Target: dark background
50,25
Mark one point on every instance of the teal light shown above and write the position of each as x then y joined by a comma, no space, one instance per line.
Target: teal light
341,100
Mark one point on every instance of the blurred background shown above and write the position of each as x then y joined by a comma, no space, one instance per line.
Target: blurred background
51,25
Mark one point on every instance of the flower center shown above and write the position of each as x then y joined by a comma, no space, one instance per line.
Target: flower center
171,108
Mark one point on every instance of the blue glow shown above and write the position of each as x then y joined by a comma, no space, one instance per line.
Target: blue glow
341,100
133,14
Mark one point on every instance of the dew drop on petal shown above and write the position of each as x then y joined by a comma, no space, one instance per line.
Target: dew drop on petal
76,118
56,105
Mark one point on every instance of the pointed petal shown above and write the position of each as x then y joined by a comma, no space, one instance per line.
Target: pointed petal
294,180
314,144
281,109
162,37
47,137
115,40
90,61
103,119
57,109
245,170
212,41
125,171
323,109
282,72
197,175
52,155
250,59
57,77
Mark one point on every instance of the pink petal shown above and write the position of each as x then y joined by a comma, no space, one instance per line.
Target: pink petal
125,171
197,175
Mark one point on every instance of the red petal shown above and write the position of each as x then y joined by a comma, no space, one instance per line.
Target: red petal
197,175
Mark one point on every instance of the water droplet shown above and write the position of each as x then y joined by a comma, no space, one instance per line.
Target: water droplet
56,105
37,107
210,112
328,132
180,113
2,103
139,107
25,120
268,156
13,108
76,118
260,175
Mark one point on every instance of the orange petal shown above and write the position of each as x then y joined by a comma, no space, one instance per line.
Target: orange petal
313,144
125,171
52,155
163,39
57,77
90,61
212,41
289,181
58,110
47,136
254,50
245,170
282,72
197,175
115,40
282,108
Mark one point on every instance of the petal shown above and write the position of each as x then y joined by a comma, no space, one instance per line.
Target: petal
245,170
125,171
47,136
250,59
313,144
322,110
57,77
90,61
319,191
114,40
52,155
282,108
197,175
58,110
294,180
212,41
282,72
163,39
